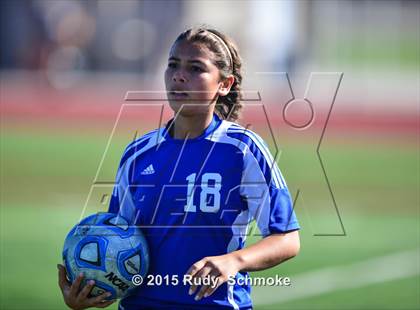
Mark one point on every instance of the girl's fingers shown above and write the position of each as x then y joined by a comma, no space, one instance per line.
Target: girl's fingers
62,281
86,290
201,292
215,279
104,304
74,288
200,274
212,289
100,299
195,268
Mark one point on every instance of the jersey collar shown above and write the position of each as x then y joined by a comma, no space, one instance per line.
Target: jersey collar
216,121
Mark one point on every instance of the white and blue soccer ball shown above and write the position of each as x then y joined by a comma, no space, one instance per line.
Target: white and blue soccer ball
105,248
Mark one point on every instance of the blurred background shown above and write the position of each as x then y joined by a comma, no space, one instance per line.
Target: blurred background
349,152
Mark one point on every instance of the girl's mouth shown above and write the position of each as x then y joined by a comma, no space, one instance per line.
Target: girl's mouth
178,94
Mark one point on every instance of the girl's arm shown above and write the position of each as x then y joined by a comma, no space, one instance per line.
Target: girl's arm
268,252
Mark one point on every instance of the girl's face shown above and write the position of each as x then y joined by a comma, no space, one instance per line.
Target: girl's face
192,81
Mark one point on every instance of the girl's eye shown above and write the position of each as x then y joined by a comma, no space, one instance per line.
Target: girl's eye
197,69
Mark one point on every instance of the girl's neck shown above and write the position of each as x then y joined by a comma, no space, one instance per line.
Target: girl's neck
189,127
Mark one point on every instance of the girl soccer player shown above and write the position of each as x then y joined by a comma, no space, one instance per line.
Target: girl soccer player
194,185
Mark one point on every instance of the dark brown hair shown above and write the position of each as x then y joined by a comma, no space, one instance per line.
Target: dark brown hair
228,61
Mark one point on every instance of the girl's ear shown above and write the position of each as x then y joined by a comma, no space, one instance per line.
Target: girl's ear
225,85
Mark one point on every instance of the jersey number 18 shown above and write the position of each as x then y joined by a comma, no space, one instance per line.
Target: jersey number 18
206,190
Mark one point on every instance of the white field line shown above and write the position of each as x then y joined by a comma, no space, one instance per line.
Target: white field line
375,270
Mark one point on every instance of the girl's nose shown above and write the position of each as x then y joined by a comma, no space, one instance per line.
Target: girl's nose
179,77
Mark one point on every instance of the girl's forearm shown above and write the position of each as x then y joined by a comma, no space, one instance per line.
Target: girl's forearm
268,252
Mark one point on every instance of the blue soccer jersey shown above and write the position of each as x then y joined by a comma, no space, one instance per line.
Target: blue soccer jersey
195,198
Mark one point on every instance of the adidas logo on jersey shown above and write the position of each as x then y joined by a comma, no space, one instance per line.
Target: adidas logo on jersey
149,170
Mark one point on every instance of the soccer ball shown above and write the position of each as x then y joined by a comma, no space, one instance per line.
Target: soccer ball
106,249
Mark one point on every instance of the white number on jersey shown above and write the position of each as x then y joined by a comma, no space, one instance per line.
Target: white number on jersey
206,190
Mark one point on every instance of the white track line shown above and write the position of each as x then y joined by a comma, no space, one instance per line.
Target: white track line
375,270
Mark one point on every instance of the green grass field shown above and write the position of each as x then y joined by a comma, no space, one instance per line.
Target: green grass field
46,177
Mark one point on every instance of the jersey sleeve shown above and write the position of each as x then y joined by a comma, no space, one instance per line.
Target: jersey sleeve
121,201
265,190
114,204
